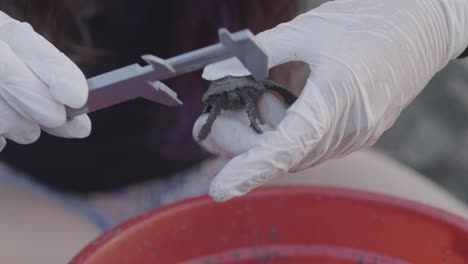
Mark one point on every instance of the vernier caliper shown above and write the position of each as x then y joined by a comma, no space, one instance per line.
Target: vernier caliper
135,81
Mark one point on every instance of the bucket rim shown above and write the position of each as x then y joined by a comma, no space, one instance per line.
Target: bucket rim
337,193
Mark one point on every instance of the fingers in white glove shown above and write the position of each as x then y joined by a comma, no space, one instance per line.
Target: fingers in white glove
261,163
285,43
24,92
23,132
39,82
231,133
78,127
270,154
271,109
368,58
65,80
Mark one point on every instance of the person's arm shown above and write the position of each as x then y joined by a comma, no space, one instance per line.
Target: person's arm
368,58
37,83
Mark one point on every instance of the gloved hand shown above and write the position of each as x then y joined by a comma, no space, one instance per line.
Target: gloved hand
368,58
36,83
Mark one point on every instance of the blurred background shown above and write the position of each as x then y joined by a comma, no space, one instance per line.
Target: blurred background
431,135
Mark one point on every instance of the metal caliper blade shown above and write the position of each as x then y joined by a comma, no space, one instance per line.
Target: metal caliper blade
136,81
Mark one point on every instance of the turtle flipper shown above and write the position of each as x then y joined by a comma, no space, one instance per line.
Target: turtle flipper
287,95
205,131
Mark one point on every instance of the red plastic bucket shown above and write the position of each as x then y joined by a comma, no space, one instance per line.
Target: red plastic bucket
286,225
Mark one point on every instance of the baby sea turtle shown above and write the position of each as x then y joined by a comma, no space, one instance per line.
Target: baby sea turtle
236,93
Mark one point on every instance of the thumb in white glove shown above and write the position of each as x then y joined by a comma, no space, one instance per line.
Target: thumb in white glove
369,59
37,82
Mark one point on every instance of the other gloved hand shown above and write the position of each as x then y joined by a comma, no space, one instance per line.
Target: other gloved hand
37,81
368,58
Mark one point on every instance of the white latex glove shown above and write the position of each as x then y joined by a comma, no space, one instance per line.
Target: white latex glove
37,81
369,59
